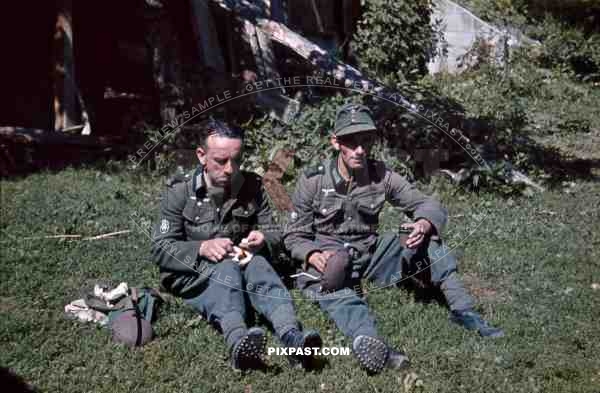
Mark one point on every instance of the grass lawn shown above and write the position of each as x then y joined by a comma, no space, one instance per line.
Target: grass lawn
531,263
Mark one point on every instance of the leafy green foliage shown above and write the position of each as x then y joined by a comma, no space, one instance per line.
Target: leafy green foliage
508,111
405,39
307,136
569,49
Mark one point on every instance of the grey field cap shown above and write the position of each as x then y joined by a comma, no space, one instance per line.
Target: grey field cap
130,330
353,118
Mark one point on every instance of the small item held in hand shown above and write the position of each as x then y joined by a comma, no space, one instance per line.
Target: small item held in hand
241,255
336,272
403,235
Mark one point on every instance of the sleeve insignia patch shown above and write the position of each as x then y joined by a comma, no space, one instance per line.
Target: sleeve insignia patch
164,226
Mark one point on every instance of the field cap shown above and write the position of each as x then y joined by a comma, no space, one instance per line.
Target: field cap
353,118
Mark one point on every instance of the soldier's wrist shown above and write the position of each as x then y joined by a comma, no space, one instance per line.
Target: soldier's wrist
200,250
431,230
311,253
307,259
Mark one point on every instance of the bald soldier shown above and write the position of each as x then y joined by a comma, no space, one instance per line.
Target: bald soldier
204,217
333,233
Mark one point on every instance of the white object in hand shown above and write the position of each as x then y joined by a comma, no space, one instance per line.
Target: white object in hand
241,256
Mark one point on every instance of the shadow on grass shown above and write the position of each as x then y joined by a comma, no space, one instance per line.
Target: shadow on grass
26,151
559,166
12,383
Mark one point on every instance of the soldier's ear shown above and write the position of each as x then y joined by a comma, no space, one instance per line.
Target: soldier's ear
334,142
201,154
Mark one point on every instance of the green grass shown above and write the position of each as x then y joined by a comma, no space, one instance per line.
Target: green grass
531,265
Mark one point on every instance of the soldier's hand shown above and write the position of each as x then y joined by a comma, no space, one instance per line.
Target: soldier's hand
255,241
319,260
216,249
421,228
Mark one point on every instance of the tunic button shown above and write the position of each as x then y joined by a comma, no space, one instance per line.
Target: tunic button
197,218
349,218
324,211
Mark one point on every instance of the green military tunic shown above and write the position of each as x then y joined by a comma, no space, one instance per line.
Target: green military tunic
328,208
331,213
188,216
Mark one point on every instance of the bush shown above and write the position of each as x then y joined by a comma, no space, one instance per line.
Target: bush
568,48
567,41
394,39
307,136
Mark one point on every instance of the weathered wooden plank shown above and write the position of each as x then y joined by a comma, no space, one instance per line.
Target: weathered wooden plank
167,71
273,101
206,35
322,60
313,16
69,108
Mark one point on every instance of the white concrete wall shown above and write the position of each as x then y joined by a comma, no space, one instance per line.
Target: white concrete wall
461,28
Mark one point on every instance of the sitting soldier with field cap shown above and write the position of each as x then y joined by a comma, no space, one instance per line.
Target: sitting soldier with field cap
333,233
205,218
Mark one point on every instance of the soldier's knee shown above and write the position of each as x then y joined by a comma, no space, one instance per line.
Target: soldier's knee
226,266
259,263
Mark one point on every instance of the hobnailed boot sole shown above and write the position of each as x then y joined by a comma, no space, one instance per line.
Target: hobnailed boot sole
249,352
372,353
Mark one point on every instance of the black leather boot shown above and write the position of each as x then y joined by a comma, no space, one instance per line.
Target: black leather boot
471,320
249,351
302,340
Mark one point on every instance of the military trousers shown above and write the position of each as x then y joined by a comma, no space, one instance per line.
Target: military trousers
231,289
386,265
